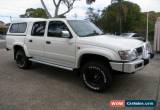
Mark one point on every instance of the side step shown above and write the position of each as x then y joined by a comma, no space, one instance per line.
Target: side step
51,64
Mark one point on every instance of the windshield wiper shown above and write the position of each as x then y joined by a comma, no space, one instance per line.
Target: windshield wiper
93,34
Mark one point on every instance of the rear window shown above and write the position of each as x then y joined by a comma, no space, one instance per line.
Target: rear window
18,28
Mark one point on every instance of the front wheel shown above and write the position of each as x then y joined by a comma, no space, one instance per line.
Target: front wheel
22,60
96,76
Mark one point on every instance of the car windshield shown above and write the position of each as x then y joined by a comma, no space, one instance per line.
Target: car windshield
84,28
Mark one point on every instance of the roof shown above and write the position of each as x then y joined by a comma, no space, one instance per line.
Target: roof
28,20
39,19
35,19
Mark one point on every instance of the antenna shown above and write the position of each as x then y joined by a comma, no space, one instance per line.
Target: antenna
10,18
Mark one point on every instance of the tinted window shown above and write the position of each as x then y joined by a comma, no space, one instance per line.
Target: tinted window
38,28
22,27
55,28
18,28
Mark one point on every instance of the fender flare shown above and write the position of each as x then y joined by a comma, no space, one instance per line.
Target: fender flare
23,46
107,53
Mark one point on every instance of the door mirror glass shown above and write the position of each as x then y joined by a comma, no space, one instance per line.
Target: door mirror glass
65,34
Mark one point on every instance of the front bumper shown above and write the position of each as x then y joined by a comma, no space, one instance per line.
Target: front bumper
133,66
129,67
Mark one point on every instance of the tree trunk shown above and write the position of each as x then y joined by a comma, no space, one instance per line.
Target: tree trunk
56,12
44,6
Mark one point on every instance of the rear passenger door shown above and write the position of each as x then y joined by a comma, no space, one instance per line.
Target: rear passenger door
35,40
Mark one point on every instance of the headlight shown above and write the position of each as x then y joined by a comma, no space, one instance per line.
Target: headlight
128,55
148,47
147,50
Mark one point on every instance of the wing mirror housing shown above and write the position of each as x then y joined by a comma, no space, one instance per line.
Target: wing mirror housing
66,34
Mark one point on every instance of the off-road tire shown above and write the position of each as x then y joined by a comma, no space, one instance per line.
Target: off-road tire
22,60
98,70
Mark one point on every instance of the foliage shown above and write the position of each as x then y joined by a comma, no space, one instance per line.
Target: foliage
34,13
92,14
130,17
152,20
133,20
3,31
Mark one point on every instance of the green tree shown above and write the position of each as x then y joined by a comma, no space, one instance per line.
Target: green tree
34,13
119,12
130,17
92,14
151,23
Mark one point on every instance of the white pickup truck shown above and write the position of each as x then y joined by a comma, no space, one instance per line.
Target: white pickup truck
75,45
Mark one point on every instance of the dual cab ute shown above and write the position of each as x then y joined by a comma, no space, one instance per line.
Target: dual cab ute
75,45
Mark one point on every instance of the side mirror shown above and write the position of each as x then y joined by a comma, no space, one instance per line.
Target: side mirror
66,34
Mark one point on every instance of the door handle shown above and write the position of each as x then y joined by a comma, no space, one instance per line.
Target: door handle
48,42
30,40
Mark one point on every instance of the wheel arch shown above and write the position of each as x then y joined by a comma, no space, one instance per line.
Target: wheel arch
17,47
91,56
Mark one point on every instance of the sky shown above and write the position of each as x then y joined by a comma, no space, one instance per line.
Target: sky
15,8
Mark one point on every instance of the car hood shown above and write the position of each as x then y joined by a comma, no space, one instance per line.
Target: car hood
111,42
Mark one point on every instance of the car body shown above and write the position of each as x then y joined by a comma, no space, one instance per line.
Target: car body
139,37
75,45
133,36
1,36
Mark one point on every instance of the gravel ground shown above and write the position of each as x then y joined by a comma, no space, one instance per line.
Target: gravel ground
47,88
2,44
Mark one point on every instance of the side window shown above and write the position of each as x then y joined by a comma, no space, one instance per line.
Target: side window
38,28
14,28
22,27
18,28
55,28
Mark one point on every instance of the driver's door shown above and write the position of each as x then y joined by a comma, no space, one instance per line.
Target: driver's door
59,50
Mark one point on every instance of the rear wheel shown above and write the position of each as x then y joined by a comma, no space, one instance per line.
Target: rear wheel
96,76
22,60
